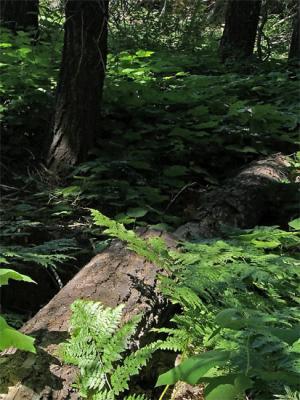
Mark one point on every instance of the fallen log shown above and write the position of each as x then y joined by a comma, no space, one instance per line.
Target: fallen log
253,197
119,276
112,277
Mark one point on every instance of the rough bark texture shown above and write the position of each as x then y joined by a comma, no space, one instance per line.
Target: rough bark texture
118,276
294,53
112,277
184,391
78,101
239,34
19,14
243,201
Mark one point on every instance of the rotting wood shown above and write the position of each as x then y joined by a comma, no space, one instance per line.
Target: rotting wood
242,201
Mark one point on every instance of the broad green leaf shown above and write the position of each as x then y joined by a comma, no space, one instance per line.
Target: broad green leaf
6,274
161,227
268,244
227,387
279,376
139,164
287,335
137,212
175,170
124,219
10,337
207,125
230,318
192,369
295,224
144,53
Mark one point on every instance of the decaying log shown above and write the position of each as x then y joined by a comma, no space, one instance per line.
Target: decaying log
119,276
112,277
244,201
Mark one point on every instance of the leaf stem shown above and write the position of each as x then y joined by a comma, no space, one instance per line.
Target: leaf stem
164,392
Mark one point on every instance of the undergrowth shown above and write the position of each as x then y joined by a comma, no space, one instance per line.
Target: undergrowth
238,329
173,125
175,122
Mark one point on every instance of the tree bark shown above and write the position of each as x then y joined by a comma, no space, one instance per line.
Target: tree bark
294,53
255,196
239,34
112,277
19,14
79,91
119,276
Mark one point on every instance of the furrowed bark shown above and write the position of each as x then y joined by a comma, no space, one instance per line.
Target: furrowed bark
79,91
241,21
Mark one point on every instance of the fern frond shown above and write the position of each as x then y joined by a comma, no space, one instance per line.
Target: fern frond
118,343
131,366
153,250
104,395
136,397
96,346
48,254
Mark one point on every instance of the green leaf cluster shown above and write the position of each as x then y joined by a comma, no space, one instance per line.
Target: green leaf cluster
98,346
10,337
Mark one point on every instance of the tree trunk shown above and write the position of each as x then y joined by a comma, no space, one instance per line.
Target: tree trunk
239,34
78,101
294,53
119,276
19,14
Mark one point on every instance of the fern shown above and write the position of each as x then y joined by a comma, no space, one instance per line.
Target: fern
48,254
240,294
97,346
288,395
131,366
152,249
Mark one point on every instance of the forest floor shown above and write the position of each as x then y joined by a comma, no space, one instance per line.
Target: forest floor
173,127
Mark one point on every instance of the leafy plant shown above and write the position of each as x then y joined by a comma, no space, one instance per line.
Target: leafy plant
239,305
28,78
48,254
97,346
288,395
10,337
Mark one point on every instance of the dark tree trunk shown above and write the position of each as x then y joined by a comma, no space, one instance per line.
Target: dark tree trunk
294,53
19,14
79,91
239,34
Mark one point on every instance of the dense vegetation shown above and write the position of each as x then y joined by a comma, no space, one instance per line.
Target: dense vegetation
181,112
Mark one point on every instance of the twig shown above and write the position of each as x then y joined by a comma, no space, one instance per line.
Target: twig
179,193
